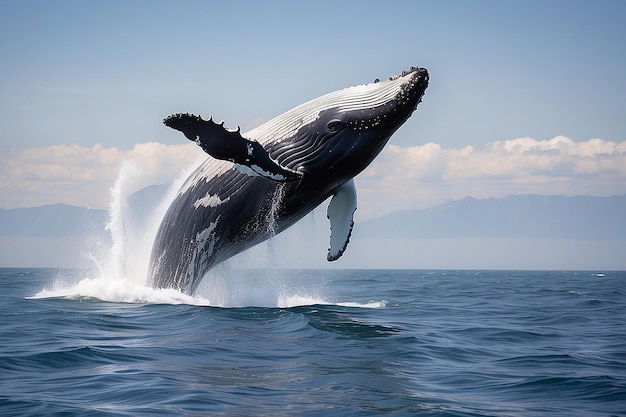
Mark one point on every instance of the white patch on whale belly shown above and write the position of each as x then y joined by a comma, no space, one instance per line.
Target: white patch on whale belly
203,247
208,169
210,200
206,239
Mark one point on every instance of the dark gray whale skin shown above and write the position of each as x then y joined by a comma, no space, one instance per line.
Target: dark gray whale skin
224,207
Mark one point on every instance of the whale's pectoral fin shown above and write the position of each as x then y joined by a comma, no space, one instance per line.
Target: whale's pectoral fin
228,145
340,213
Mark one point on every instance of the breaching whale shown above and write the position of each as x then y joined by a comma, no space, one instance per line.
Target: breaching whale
257,184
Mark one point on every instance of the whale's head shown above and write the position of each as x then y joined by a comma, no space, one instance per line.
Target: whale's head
340,133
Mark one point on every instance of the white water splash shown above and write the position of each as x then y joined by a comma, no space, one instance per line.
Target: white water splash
118,290
236,289
226,287
132,233
277,202
116,265
121,272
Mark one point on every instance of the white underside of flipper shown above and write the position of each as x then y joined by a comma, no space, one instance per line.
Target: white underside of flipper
341,215
257,171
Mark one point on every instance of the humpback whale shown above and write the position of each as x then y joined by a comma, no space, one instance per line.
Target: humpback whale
258,183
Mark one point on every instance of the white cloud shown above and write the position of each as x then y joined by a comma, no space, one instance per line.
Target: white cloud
420,176
400,178
83,176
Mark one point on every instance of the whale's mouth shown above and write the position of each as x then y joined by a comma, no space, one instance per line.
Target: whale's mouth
411,91
417,83
383,104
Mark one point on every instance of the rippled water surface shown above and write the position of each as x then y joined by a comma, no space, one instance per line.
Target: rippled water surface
315,342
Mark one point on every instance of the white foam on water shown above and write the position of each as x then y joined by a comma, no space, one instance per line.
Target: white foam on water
118,290
216,292
371,304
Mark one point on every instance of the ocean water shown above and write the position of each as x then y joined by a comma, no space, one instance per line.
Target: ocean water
315,343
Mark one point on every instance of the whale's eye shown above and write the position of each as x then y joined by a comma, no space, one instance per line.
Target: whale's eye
334,125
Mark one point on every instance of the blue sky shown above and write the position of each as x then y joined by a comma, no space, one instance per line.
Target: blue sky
108,72
78,74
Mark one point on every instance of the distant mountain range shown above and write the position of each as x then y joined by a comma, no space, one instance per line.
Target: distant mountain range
522,216
62,220
57,220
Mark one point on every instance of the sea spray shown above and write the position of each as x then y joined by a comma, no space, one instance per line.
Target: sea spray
224,286
122,268
116,265
133,232
276,281
276,205
272,224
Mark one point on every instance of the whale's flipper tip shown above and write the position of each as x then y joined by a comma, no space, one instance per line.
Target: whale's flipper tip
187,124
